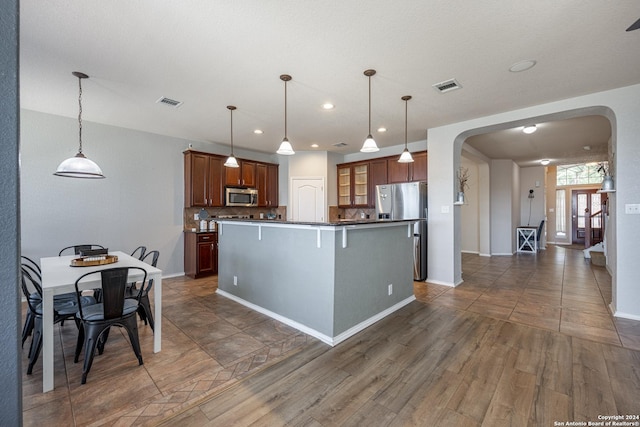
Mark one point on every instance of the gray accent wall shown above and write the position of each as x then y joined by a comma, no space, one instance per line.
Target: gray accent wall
329,289
10,351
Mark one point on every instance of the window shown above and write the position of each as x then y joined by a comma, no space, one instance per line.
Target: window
586,173
561,217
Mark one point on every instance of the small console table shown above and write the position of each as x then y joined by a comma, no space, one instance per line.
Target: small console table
526,239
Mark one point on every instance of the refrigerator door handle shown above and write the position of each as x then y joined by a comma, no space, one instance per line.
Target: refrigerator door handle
416,257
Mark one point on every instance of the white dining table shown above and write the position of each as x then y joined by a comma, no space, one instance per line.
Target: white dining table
58,277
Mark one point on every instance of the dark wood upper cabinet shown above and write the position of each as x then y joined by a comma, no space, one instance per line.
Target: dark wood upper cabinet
419,167
205,178
243,176
407,172
202,180
248,170
267,184
378,175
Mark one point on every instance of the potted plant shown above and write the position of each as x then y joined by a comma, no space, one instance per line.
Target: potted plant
463,177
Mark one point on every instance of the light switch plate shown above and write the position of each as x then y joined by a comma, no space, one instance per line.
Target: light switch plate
444,209
632,209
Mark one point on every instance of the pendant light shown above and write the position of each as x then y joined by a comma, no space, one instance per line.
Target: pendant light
231,160
369,145
285,146
79,166
405,157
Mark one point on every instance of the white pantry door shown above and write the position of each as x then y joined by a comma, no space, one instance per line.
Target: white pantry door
307,201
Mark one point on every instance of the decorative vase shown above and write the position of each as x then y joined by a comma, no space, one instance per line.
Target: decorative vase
460,197
607,183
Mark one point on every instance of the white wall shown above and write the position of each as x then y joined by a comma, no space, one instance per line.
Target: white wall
622,108
503,181
469,212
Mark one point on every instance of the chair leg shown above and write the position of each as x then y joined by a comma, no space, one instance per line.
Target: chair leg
102,340
36,345
131,325
79,343
28,327
91,339
145,306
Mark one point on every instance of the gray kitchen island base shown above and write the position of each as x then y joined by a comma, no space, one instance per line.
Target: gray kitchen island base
327,280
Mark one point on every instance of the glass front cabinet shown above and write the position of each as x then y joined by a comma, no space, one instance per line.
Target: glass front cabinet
353,185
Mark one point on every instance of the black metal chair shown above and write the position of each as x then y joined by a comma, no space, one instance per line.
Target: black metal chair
114,310
139,252
79,248
35,295
63,309
144,310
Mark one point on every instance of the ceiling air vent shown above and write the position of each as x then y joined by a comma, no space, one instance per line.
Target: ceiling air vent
168,101
339,144
447,85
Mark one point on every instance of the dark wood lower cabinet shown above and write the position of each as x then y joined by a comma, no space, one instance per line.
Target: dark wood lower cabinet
200,254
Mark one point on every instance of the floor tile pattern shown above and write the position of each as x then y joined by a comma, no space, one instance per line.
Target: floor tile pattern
211,343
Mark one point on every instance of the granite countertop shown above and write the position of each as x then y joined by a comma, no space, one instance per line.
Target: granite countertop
340,222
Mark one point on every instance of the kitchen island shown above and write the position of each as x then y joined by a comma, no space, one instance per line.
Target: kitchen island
329,280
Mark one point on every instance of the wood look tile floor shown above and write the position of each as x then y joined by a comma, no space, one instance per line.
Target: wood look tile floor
525,340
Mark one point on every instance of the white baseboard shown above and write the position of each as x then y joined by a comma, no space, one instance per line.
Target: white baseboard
485,255
624,315
504,254
332,341
439,282
470,252
169,276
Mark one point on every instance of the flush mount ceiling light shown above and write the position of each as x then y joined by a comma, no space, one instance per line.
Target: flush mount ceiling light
382,129
79,166
405,157
258,131
285,146
231,160
544,162
523,65
328,106
369,145
529,129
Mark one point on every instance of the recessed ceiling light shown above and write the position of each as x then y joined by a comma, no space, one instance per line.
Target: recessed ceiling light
314,145
586,148
382,129
523,65
328,106
258,132
529,129
544,162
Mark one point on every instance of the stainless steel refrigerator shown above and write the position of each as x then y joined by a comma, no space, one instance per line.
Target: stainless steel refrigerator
407,201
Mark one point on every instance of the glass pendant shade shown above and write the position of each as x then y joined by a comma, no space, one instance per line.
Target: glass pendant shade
231,162
79,167
405,157
285,148
369,145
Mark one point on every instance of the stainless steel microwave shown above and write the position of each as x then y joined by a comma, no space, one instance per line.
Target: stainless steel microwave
246,197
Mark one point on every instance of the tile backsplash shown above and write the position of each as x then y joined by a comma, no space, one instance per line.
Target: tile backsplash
189,221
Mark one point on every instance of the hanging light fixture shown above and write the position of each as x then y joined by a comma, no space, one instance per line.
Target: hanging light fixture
285,146
369,145
405,157
231,160
79,166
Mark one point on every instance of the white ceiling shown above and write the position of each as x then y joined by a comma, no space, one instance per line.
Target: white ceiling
209,54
